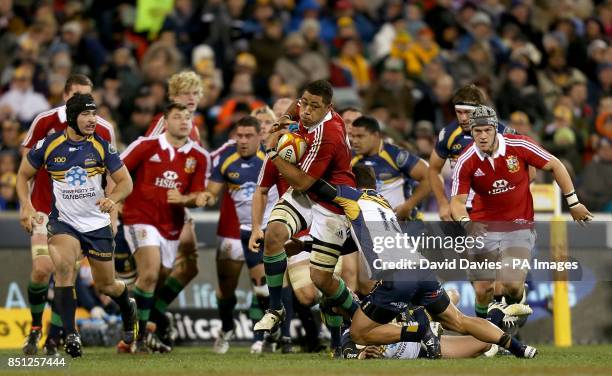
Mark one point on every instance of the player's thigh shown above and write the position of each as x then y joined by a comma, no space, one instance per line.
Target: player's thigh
455,347
361,325
148,263
329,232
64,250
516,251
293,212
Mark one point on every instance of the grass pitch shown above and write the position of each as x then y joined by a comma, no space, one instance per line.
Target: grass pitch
577,360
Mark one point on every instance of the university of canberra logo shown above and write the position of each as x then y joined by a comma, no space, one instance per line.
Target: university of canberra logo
76,176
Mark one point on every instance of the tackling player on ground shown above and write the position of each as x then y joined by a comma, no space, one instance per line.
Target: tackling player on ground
79,224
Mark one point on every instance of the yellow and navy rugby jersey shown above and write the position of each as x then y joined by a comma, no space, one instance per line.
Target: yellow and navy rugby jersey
240,175
452,140
77,172
392,166
372,219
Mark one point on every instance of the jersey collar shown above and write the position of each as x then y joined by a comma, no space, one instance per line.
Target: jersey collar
327,117
501,149
61,113
165,145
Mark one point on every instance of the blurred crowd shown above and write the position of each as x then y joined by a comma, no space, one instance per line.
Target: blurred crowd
546,66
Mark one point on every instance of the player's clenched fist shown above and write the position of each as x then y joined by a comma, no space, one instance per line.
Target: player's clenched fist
257,236
205,198
27,215
105,204
175,197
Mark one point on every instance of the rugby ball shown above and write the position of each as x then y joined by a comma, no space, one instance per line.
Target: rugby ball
291,147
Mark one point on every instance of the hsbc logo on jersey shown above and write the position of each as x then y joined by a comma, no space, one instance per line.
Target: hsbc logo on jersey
501,186
168,181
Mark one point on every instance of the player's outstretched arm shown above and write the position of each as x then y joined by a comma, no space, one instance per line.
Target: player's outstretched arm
27,213
437,185
257,211
123,187
177,198
579,212
420,173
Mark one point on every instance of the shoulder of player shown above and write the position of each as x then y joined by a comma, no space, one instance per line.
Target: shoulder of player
100,121
45,117
466,158
142,143
199,150
44,143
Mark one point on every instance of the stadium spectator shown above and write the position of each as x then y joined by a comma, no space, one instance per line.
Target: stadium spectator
518,94
298,66
311,30
392,90
437,107
11,135
519,121
268,47
556,76
596,179
21,100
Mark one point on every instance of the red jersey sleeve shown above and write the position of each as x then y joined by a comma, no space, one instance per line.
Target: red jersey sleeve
268,176
38,130
531,152
105,130
462,175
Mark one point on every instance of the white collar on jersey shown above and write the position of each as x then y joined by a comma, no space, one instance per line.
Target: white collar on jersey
501,149
327,117
61,113
165,145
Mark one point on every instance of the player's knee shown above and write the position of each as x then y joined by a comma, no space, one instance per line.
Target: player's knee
275,238
41,272
147,279
190,268
306,296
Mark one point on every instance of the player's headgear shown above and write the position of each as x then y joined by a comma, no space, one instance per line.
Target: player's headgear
483,115
75,105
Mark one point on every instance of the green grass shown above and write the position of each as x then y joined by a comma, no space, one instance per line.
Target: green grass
577,360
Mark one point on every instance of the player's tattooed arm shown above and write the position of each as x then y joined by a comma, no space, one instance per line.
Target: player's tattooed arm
27,213
324,190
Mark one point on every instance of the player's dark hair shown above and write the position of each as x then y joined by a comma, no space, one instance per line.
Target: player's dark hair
249,121
77,79
469,94
349,109
364,176
173,106
322,88
367,122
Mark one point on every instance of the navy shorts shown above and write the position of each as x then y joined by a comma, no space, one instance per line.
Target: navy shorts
389,299
97,244
252,259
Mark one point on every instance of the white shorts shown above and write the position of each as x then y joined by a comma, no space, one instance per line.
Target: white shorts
497,242
141,235
229,249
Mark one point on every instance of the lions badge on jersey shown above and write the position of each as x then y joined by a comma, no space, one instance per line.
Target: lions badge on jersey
190,165
513,164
